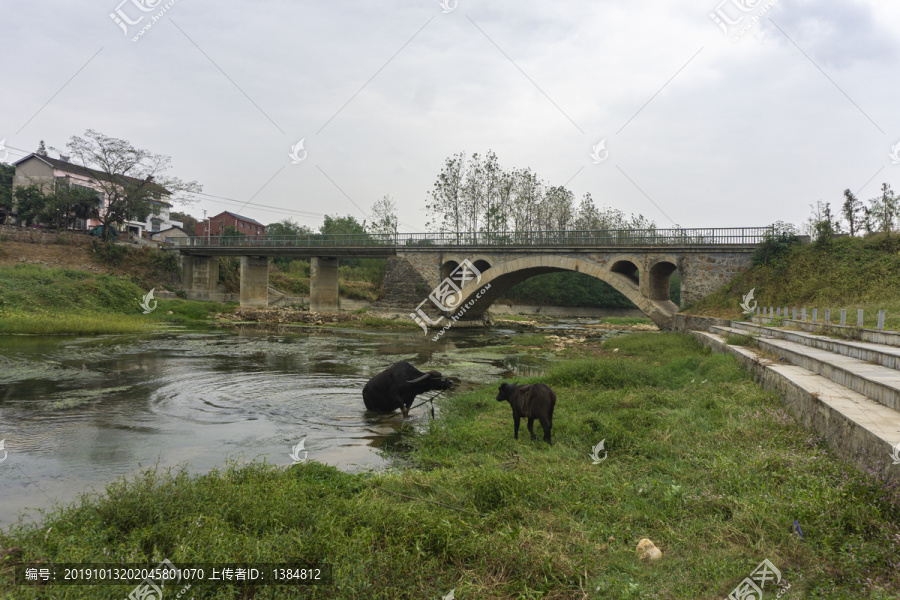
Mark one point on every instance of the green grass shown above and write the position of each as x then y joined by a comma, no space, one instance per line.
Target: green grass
850,273
733,339
39,300
700,460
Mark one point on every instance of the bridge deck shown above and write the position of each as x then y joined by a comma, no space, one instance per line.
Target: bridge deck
380,245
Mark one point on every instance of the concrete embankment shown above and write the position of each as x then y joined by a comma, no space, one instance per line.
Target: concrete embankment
845,391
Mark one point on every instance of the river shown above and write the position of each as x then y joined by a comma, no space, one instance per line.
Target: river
77,413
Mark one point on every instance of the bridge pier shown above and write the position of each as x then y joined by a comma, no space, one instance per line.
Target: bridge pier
200,278
323,284
254,281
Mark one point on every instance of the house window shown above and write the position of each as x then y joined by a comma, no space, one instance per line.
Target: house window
154,224
156,209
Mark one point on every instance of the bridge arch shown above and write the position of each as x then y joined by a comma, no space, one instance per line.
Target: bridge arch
659,275
450,263
503,275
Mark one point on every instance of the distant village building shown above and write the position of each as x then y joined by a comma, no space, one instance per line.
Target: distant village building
216,225
171,235
38,168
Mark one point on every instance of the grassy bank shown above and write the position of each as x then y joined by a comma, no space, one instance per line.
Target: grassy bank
700,460
40,300
847,272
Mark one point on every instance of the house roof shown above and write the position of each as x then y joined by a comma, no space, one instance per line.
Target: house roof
63,165
182,229
237,216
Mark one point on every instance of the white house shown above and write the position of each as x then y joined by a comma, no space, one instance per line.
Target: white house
45,171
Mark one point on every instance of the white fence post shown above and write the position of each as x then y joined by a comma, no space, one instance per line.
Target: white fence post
859,318
880,320
843,316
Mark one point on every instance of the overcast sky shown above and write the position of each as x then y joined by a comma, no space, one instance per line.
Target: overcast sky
701,129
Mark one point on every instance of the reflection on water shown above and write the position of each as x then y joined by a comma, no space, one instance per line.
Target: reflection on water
77,413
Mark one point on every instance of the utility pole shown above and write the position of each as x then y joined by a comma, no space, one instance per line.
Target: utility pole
207,226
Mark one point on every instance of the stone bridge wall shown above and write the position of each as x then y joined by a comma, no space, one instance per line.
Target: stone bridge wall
411,276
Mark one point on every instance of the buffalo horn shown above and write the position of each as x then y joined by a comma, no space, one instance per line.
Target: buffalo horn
418,379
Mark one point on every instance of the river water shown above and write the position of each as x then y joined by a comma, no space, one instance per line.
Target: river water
77,413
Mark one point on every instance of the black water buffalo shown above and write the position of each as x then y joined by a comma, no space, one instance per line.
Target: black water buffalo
534,401
398,385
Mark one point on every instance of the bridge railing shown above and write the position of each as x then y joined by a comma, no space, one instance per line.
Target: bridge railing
605,237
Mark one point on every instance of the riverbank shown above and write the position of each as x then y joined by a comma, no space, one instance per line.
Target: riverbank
696,457
852,273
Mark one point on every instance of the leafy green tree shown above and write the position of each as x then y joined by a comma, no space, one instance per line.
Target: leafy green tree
287,227
7,172
69,202
384,217
852,211
190,222
883,210
338,225
129,177
30,201
232,231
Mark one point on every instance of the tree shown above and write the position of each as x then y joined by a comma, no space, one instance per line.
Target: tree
190,222
287,227
384,217
338,225
852,211
883,210
232,231
7,172
69,202
821,225
129,177
30,201
446,197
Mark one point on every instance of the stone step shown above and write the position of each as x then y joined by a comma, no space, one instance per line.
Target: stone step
856,427
876,336
886,356
874,381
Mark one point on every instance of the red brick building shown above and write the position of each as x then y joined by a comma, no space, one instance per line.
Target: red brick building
216,225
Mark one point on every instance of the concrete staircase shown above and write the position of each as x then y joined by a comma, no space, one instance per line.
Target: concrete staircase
847,391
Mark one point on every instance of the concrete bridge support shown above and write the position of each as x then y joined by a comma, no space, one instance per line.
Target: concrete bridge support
323,284
254,281
200,278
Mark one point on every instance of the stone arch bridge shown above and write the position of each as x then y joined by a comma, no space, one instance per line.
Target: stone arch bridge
639,264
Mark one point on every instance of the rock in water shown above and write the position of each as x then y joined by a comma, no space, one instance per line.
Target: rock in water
647,550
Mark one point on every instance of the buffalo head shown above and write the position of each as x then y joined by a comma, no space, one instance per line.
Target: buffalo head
505,391
432,380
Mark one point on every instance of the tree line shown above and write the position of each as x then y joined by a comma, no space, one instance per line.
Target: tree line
476,194
880,214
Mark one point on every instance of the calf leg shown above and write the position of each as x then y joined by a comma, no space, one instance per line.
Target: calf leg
515,427
531,427
546,425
